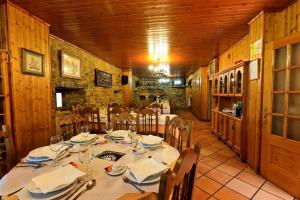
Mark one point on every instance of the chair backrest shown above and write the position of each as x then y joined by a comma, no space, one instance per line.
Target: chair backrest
78,108
147,120
115,110
7,152
124,121
177,131
172,106
145,104
156,106
92,119
135,107
69,125
178,184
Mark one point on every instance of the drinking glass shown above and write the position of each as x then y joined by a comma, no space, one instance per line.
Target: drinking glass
85,156
56,144
108,127
136,142
84,131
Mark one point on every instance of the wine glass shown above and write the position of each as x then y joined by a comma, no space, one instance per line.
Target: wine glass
85,156
109,127
56,144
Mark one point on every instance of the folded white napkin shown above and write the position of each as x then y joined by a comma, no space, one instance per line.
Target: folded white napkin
151,140
45,151
80,138
62,176
119,133
145,168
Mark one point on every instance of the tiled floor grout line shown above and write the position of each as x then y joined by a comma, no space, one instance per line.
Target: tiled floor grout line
211,143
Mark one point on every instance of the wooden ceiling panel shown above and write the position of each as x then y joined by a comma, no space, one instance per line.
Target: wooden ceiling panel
119,31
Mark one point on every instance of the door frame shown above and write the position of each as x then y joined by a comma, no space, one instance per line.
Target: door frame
274,167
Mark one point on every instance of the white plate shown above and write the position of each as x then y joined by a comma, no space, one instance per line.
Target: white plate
116,173
148,180
152,146
85,142
31,187
24,194
36,160
89,138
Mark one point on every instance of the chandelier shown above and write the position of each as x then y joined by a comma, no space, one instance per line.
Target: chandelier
160,69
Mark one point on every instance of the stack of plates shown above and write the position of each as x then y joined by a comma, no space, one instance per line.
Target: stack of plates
79,139
151,142
30,191
42,154
118,135
52,185
145,171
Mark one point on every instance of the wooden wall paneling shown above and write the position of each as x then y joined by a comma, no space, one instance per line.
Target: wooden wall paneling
31,95
256,27
200,93
238,52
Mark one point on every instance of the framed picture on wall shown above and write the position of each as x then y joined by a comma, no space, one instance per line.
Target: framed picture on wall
70,66
32,63
102,79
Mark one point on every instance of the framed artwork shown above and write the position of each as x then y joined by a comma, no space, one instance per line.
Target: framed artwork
32,63
102,79
70,66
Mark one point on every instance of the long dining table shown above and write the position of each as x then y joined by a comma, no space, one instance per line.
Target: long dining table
107,187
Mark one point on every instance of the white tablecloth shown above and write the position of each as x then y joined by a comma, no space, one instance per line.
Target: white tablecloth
107,187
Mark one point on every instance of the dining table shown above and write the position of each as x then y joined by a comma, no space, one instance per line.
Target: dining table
107,187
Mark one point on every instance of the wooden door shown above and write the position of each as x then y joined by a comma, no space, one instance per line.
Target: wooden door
215,85
230,139
237,136
239,81
231,83
221,85
214,121
226,84
280,155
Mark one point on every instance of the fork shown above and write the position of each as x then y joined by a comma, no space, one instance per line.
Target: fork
127,180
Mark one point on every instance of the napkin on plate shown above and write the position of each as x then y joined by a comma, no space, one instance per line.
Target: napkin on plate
119,133
45,152
151,140
80,138
145,168
62,176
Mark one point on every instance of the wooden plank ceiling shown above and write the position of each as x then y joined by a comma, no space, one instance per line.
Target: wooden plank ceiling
122,31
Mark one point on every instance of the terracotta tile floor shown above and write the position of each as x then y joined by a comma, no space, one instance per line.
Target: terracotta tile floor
221,175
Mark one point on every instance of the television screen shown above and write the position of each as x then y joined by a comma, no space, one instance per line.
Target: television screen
59,101
179,82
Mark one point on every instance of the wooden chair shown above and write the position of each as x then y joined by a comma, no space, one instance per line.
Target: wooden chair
178,184
115,110
135,107
177,131
7,152
172,106
147,121
124,121
69,125
92,119
78,108
156,106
